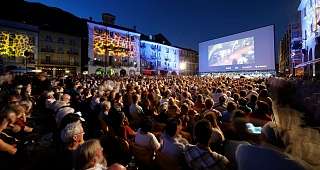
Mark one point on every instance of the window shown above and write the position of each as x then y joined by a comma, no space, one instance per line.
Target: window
72,60
47,61
304,11
48,38
61,40
60,60
60,50
305,34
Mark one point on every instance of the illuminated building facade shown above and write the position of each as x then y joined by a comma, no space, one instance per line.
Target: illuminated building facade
297,53
112,48
284,53
310,20
158,57
189,61
18,46
59,53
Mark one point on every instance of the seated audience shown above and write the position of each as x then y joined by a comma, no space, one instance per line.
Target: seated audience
200,156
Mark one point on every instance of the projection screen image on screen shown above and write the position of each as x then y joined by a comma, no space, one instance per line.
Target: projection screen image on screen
246,51
231,53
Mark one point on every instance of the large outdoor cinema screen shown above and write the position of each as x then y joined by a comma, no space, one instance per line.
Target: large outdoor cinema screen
247,51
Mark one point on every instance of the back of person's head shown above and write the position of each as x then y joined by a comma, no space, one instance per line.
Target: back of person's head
202,131
117,166
172,126
135,98
209,103
167,93
236,96
117,119
243,93
184,108
231,106
242,101
200,98
253,98
185,94
222,99
69,118
146,126
238,114
118,96
219,90
89,154
63,111
212,118
263,93
263,107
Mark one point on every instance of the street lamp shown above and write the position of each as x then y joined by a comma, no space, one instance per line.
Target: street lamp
183,66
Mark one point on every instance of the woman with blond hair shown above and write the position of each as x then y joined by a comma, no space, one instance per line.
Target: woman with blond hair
90,156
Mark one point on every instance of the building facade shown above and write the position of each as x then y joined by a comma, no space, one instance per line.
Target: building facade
158,57
59,54
111,50
285,53
310,17
297,53
18,46
189,61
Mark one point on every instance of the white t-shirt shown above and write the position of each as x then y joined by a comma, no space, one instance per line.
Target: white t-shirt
147,140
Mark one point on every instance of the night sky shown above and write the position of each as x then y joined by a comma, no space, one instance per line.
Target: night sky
187,22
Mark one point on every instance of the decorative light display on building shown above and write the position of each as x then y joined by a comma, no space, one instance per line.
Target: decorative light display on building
115,44
16,44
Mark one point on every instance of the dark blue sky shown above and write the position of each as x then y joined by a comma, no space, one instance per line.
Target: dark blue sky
187,22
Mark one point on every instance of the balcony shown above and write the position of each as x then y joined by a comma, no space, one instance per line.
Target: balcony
66,63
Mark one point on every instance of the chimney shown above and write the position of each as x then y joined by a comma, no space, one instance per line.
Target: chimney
150,37
135,28
108,19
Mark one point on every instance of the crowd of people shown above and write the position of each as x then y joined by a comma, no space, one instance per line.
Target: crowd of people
93,123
